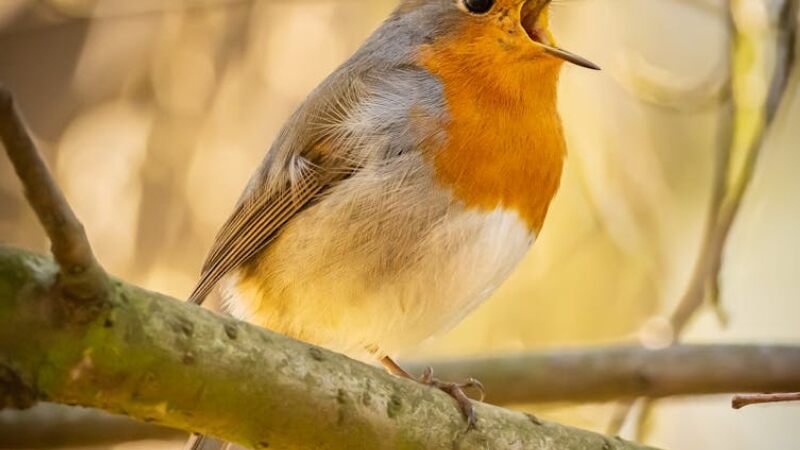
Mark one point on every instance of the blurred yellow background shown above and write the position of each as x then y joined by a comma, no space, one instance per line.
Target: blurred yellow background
155,112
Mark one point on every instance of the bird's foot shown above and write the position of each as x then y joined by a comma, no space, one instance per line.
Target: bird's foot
456,390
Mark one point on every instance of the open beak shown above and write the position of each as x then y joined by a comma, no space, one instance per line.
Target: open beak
536,27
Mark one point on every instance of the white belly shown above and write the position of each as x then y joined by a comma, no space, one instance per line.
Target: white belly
360,272
341,305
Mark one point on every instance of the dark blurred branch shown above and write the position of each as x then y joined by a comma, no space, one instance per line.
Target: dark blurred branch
604,374
128,10
80,275
742,400
48,426
786,55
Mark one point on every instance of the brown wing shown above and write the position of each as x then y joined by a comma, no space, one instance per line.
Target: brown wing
312,134
252,226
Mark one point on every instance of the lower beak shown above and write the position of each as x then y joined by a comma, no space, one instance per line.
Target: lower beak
569,57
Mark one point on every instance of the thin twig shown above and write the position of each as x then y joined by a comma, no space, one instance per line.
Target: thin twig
742,400
81,276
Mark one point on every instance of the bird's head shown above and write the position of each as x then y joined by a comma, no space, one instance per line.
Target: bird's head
489,35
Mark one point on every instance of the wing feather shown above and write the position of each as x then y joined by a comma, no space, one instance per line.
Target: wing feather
325,142
251,228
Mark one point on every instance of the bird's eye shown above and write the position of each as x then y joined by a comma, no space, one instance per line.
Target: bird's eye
478,6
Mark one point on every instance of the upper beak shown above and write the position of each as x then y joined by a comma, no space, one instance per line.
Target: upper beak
536,27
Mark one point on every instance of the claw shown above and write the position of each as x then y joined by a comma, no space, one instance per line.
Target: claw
464,403
474,383
427,377
456,390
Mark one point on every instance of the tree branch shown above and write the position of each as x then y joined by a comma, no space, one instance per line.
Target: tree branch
605,374
81,275
742,400
160,360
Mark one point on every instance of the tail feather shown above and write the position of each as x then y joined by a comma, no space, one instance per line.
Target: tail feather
198,442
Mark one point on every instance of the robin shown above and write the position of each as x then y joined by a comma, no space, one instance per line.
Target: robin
405,188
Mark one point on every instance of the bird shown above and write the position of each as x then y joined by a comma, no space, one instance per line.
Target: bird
405,188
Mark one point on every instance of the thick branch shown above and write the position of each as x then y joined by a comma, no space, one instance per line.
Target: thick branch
81,276
161,360
606,374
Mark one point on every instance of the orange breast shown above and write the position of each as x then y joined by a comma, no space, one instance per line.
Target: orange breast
505,145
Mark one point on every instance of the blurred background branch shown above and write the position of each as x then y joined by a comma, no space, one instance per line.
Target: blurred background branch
754,114
611,373
49,425
95,10
755,108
